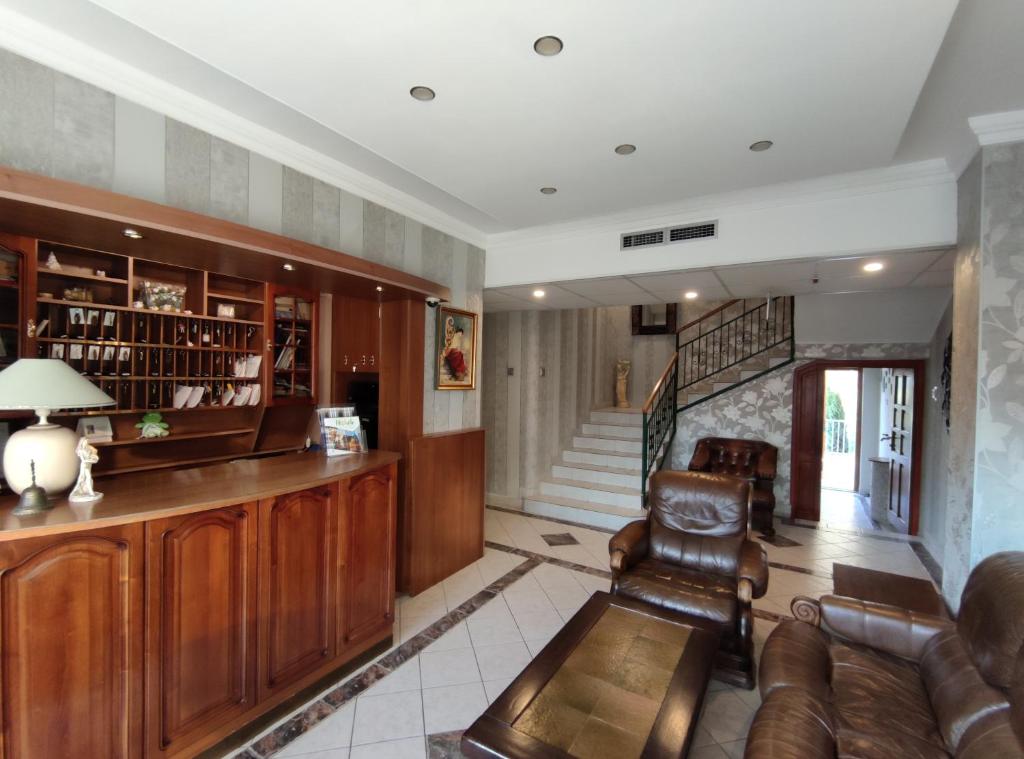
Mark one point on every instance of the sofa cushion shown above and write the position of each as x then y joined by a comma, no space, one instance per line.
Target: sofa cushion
710,596
881,698
959,696
792,724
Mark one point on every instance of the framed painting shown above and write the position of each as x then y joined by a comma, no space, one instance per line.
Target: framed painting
455,359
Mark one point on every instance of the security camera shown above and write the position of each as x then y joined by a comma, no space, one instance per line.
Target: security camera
433,302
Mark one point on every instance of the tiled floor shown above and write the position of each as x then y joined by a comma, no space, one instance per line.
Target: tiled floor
420,707
848,510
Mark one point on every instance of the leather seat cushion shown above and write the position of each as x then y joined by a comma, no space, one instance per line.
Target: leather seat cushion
882,706
709,596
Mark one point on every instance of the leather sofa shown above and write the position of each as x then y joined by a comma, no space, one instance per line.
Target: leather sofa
867,680
692,555
753,460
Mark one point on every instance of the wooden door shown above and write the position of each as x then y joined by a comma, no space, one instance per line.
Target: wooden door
71,621
298,569
368,520
808,421
201,625
897,437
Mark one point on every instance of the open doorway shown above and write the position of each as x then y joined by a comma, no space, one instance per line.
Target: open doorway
856,449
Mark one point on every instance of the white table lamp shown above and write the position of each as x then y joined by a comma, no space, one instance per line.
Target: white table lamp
44,385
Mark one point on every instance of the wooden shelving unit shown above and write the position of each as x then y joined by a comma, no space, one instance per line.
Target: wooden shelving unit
199,352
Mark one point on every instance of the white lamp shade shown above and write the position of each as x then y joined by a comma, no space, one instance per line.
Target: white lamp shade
47,383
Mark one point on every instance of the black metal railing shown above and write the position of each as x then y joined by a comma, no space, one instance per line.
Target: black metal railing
659,421
733,339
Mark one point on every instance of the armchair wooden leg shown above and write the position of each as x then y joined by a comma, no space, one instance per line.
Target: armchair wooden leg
737,666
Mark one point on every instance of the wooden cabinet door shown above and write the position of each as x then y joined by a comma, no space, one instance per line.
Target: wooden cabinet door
71,622
368,521
298,570
355,335
201,625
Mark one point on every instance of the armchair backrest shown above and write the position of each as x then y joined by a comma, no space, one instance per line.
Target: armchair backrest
698,520
740,458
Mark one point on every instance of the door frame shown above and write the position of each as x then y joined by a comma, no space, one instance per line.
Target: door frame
816,368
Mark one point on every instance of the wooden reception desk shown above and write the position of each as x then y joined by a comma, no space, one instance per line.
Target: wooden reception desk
187,603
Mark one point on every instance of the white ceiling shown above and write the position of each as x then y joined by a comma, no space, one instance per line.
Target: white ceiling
691,83
931,268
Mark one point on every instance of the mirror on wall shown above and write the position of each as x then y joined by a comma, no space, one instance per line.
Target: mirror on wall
656,319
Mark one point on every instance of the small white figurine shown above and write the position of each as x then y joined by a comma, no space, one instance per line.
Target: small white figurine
83,492
52,263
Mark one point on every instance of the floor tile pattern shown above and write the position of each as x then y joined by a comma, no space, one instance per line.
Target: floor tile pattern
461,642
560,539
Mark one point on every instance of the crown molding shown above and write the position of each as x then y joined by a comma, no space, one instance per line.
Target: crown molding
836,186
998,128
31,39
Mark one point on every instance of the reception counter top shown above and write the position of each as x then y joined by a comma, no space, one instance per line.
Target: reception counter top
144,496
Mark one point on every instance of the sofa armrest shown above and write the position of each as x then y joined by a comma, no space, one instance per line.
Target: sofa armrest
792,724
796,656
628,545
701,458
897,631
767,463
753,567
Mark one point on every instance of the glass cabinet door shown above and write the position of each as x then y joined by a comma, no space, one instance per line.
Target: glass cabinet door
294,331
10,307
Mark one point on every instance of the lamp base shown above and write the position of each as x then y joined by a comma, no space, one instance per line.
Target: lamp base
52,448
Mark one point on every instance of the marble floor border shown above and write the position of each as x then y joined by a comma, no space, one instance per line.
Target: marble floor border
520,512
329,702
539,557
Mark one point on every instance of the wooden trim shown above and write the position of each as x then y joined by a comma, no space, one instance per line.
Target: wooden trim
71,213
712,312
917,440
649,403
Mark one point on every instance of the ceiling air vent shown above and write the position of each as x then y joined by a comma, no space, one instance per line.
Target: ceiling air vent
693,232
667,235
643,239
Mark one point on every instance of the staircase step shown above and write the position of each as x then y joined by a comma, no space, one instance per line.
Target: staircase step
614,431
598,475
624,417
603,458
586,512
607,444
609,495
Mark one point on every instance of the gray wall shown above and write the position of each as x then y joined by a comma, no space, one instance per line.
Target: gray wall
56,125
935,456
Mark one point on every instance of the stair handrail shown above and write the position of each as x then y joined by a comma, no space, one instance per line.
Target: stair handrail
706,316
780,318
659,421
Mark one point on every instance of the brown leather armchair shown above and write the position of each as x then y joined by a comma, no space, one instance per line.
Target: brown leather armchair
861,679
753,460
692,555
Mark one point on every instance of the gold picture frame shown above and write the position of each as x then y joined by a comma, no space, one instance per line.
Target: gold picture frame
456,349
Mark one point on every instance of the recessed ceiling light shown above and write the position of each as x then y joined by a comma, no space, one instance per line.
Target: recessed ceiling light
538,293
691,294
288,267
422,93
548,190
380,289
548,46
874,266
625,149
761,145
134,234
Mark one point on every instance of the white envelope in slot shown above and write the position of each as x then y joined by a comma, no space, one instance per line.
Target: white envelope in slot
182,393
242,396
225,398
254,396
195,396
252,365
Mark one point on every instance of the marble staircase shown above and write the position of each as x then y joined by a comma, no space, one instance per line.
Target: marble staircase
596,481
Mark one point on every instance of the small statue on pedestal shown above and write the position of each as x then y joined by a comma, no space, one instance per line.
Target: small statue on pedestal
621,389
83,492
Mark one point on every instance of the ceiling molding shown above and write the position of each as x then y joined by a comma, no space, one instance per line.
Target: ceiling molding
872,181
998,128
57,50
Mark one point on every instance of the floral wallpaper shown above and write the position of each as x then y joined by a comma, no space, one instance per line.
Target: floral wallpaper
763,408
998,513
